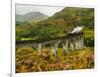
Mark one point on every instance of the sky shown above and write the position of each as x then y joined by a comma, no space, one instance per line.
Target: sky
47,10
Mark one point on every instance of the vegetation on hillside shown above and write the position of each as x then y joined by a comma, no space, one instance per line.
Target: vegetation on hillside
29,60
54,26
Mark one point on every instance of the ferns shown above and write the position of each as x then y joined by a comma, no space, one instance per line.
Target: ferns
28,60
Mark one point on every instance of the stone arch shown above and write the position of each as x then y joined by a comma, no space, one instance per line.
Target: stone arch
65,46
72,43
54,46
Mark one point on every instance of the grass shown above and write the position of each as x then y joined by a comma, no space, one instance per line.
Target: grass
88,33
29,60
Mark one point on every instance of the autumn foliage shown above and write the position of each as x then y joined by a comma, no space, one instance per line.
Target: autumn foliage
29,60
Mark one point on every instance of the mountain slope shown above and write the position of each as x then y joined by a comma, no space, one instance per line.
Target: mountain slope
71,17
76,16
31,16
59,24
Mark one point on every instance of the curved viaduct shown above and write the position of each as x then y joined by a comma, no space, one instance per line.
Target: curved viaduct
70,42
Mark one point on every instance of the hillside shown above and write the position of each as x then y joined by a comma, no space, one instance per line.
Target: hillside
72,17
58,24
29,60
31,16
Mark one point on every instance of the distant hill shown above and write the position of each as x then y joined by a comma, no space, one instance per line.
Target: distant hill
31,16
59,24
71,17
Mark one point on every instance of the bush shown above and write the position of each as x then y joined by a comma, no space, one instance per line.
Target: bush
89,41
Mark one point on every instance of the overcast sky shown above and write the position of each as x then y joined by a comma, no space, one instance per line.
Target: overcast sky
48,10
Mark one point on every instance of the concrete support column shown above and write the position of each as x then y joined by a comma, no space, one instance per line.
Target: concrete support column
82,42
65,46
79,42
39,47
72,46
54,47
76,43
